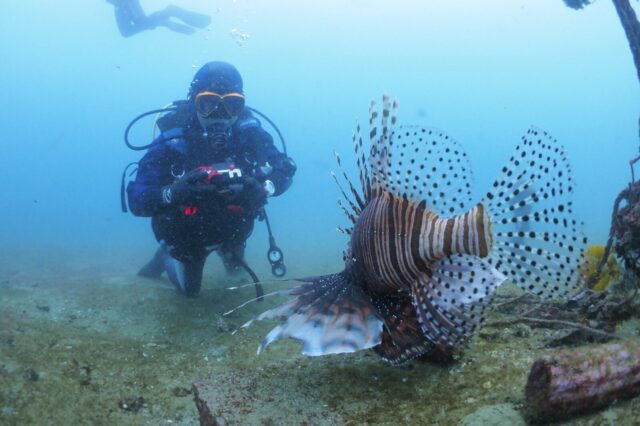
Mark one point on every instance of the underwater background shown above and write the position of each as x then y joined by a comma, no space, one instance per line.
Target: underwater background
483,72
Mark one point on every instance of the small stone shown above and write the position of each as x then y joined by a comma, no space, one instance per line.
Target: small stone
222,325
491,336
31,375
181,392
7,339
217,352
521,330
133,404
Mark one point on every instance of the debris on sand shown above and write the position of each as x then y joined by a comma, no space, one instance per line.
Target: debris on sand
570,382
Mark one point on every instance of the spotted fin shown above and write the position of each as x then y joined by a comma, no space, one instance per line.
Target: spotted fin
413,162
329,315
379,143
416,163
537,242
426,164
450,302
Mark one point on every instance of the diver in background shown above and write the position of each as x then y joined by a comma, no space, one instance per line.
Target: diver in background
132,19
205,180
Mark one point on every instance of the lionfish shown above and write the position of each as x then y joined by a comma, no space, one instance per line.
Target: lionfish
423,261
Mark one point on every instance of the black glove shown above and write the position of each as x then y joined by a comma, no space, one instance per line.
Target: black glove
287,166
253,194
189,188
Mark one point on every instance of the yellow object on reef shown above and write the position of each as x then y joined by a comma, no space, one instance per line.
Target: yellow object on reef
610,273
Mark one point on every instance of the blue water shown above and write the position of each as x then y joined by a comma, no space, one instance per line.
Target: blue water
72,309
481,71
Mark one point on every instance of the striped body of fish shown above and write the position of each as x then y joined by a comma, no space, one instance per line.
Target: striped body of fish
423,260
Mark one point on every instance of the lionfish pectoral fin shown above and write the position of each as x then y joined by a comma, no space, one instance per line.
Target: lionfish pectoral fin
450,302
330,315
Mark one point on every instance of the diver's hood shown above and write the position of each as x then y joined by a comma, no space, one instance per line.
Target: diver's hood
216,76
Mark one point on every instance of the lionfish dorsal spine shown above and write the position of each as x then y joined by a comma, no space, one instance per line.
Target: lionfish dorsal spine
361,163
380,143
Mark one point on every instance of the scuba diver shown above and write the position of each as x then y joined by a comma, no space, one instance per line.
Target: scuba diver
206,178
131,18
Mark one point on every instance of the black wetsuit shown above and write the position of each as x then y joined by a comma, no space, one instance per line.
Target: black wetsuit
132,19
190,233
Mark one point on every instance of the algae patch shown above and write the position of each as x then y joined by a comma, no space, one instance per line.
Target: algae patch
116,349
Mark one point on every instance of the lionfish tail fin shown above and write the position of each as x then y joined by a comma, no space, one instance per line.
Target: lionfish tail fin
537,242
450,302
329,315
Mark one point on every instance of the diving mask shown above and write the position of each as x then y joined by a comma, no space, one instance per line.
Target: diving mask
211,103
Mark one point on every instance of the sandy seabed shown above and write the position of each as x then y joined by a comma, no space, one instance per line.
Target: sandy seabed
88,342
